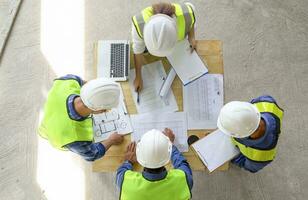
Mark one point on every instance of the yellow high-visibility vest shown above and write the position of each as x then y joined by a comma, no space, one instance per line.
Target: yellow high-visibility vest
259,155
56,126
173,187
185,19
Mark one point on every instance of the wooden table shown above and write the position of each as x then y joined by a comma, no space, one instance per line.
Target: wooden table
211,52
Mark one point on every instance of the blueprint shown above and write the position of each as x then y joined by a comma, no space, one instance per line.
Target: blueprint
175,121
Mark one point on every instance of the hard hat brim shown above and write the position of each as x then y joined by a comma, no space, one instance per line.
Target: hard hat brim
225,131
159,53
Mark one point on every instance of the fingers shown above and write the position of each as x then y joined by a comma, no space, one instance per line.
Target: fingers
167,130
192,48
138,84
131,147
116,138
138,88
128,147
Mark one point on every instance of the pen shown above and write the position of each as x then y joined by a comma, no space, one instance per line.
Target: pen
124,108
138,98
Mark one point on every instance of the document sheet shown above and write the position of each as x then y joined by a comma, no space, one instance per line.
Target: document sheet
175,121
116,120
187,65
215,149
202,100
153,75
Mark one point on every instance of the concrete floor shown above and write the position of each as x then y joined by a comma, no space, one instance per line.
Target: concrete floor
265,52
4,9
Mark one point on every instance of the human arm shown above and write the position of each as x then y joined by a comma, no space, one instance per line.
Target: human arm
91,151
191,39
247,164
191,33
113,139
266,98
138,49
74,77
87,150
138,82
129,159
178,160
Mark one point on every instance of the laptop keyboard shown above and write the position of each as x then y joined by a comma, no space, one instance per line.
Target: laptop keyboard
117,62
126,61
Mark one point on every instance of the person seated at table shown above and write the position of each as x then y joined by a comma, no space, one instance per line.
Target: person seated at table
254,128
157,29
66,123
153,152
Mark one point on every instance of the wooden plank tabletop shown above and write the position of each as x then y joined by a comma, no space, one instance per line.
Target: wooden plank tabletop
211,52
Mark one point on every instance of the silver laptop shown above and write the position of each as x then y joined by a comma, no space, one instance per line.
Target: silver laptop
113,59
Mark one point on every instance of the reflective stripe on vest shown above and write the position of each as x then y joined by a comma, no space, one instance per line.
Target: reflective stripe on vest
257,154
185,19
56,125
173,186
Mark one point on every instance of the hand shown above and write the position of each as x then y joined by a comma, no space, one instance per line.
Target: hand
193,45
169,133
138,84
115,138
130,154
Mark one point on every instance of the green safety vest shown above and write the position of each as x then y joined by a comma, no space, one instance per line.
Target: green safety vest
56,126
185,19
259,155
173,187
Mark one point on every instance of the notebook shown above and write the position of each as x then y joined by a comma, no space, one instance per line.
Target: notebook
187,65
215,149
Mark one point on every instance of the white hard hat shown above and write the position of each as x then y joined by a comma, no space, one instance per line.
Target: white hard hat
154,149
238,119
99,94
160,35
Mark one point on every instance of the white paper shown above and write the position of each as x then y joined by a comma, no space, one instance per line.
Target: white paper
166,87
203,100
153,75
215,149
116,120
187,65
175,121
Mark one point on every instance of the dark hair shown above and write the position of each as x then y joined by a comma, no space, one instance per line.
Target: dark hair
163,8
154,171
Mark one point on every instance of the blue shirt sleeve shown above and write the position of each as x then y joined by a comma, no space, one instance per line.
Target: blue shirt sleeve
266,98
248,165
121,171
88,150
70,77
180,162
72,113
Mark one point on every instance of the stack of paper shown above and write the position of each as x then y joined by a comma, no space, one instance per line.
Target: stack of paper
175,121
203,100
187,65
149,100
215,149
